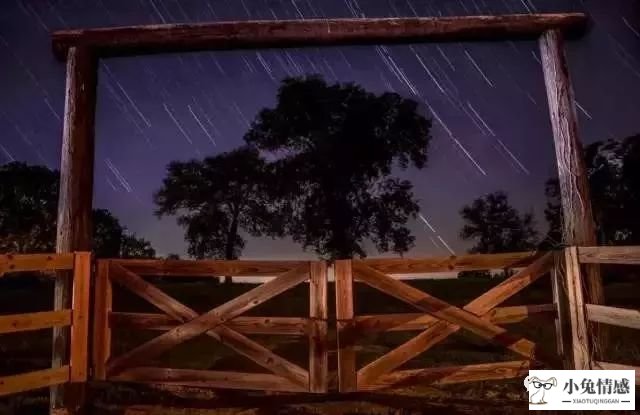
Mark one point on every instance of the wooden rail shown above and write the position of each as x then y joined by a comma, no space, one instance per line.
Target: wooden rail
77,318
621,317
437,321
224,323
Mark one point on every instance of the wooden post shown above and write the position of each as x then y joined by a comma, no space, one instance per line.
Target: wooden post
575,336
101,327
76,190
80,322
578,224
344,317
318,342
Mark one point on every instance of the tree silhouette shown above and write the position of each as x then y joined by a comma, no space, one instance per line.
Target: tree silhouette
28,215
218,198
496,226
334,148
613,169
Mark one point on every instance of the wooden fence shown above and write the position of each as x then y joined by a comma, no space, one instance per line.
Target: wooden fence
434,320
224,323
77,318
626,255
437,319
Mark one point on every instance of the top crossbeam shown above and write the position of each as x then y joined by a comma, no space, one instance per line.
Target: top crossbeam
166,38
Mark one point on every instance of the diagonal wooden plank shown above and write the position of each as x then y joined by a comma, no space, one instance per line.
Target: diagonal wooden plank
238,342
437,331
443,310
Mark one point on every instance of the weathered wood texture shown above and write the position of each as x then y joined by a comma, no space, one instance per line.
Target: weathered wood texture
474,262
622,317
437,330
318,341
207,268
578,222
74,229
137,40
101,324
34,321
289,326
201,324
344,322
609,255
577,346
33,380
35,262
79,360
376,323
451,374
209,379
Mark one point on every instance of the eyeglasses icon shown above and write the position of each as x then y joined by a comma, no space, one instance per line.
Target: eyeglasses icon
539,385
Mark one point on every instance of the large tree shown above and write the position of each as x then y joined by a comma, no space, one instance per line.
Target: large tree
28,214
495,226
334,149
613,169
218,199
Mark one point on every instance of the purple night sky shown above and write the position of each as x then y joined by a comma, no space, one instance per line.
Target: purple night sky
491,128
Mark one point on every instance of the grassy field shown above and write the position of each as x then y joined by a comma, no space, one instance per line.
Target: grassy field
30,351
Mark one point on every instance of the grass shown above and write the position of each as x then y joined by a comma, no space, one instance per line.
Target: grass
31,350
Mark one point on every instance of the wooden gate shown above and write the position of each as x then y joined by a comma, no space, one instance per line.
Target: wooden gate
77,318
224,323
437,320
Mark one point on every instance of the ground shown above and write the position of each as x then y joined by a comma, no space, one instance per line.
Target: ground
29,351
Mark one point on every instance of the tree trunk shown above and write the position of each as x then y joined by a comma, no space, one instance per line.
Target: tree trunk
228,251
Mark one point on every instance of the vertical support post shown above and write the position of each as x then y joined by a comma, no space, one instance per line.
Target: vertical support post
76,193
80,321
578,223
101,328
318,341
575,338
559,295
344,316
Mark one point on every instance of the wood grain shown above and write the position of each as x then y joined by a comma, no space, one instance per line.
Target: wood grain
318,336
209,379
207,268
287,326
622,317
579,342
609,255
344,322
234,340
15,323
451,374
33,380
79,360
137,40
35,262
474,262
101,323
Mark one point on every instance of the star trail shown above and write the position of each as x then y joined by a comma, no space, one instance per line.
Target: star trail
487,100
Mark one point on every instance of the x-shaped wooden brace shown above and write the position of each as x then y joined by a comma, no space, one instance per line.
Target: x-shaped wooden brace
448,319
211,323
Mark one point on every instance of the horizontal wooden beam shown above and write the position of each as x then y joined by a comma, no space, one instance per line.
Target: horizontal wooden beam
35,262
618,366
208,379
615,316
375,323
293,326
609,255
450,374
34,321
33,380
475,262
138,40
207,268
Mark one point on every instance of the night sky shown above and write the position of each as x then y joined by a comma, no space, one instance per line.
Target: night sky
491,127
